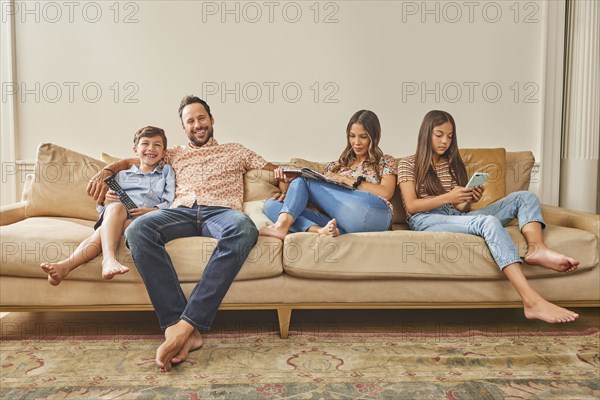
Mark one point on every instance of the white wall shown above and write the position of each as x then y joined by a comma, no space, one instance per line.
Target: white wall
359,54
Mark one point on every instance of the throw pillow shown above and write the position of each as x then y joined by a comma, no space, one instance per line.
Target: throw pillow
58,189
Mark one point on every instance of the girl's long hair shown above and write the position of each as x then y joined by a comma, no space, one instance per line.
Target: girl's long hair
369,121
424,172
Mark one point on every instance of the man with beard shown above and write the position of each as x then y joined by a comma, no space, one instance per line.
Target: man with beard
208,202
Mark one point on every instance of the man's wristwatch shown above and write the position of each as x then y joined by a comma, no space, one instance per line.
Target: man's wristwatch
359,180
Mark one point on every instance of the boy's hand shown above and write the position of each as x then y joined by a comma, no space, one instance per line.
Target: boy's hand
136,212
111,197
96,187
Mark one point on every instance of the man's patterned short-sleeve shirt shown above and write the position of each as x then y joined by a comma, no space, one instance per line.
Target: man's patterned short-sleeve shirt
211,175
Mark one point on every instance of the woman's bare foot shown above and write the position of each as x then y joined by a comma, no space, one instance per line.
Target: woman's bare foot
546,311
330,229
175,344
194,342
545,257
273,231
56,272
110,268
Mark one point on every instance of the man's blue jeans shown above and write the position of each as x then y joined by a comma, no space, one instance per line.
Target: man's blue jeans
146,238
487,222
354,210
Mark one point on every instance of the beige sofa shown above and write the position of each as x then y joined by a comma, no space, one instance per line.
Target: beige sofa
394,269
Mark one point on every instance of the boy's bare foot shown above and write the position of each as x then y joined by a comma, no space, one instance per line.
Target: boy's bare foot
545,257
194,342
273,231
56,272
330,229
176,339
110,268
546,311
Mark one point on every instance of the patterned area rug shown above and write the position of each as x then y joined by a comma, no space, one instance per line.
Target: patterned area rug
469,365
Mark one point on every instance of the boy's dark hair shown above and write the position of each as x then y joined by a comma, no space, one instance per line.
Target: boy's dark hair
191,100
149,131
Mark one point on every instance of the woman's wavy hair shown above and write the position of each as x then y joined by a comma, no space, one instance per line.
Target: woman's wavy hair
369,121
424,173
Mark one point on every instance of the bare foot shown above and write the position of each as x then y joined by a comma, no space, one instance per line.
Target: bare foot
194,342
545,257
273,231
330,229
110,268
56,272
175,345
546,311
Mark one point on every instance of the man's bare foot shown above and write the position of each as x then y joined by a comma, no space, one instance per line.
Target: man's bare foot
110,268
273,231
194,342
545,257
546,311
56,272
175,345
330,229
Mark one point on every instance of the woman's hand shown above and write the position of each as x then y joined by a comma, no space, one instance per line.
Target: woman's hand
345,179
284,179
136,212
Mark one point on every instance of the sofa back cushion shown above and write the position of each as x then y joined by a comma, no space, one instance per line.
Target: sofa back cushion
492,161
518,170
58,188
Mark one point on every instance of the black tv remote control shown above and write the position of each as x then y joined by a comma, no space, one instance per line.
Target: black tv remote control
125,199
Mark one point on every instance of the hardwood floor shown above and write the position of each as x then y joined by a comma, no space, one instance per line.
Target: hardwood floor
491,321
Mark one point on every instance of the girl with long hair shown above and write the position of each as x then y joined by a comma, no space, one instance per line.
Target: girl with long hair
363,166
432,183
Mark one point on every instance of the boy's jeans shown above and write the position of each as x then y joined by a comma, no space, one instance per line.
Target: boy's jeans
354,210
146,238
487,222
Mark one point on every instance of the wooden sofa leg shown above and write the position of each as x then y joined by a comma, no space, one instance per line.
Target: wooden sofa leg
284,314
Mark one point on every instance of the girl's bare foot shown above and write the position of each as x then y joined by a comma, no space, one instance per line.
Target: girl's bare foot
273,231
110,268
545,257
330,229
56,272
546,311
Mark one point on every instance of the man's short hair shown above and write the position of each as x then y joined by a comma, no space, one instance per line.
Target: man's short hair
149,131
191,99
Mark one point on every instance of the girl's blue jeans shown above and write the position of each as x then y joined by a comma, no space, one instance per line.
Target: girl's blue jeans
487,222
354,210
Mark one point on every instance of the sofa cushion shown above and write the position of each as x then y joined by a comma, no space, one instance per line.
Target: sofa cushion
30,242
409,254
492,161
518,170
61,177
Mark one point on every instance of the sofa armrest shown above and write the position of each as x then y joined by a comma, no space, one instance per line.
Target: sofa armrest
12,213
554,215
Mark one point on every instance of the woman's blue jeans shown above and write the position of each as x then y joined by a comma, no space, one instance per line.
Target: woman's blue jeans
354,210
487,222
146,238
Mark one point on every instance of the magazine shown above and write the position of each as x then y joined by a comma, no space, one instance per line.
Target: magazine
311,173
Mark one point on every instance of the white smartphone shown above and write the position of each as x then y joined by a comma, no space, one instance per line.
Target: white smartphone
477,179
